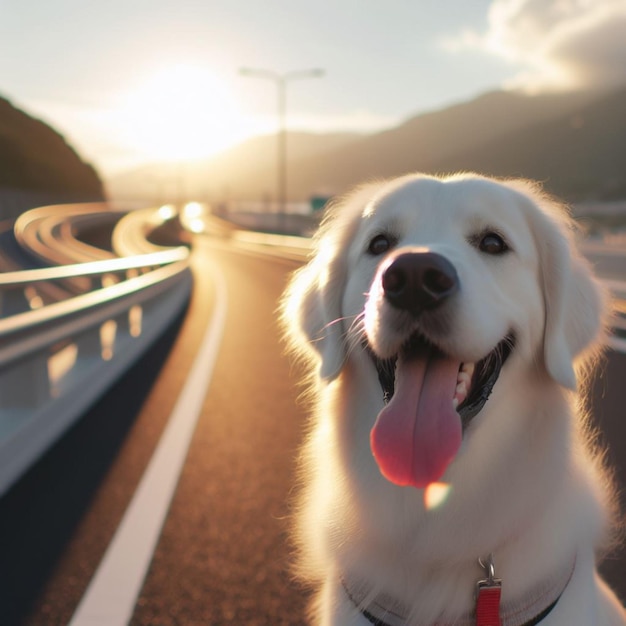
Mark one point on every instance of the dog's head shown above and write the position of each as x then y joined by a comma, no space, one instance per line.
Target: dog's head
440,281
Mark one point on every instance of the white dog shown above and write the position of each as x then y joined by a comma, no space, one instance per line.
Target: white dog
448,323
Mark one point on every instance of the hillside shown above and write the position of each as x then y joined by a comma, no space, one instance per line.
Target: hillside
246,171
575,143
580,155
34,157
432,141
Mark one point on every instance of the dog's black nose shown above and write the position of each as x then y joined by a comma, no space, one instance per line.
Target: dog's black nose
417,281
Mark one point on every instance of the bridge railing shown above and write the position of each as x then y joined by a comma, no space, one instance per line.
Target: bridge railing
58,359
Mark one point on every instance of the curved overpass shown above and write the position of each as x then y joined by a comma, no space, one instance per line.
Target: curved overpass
76,324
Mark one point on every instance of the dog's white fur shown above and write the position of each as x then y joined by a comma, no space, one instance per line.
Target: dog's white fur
527,485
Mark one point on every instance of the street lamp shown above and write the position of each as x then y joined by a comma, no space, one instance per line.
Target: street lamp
281,81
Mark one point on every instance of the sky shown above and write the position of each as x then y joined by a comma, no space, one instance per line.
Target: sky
132,81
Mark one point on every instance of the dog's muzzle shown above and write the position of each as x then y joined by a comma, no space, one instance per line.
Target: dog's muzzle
420,281
430,396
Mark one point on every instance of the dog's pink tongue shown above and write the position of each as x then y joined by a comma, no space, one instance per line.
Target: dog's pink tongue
418,433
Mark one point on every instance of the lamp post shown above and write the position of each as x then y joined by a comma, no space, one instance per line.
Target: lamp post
281,81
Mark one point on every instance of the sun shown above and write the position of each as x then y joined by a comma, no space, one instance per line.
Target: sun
181,112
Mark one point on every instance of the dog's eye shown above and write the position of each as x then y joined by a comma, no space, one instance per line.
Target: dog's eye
492,243
380,244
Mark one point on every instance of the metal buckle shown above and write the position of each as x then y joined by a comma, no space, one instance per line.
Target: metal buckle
491,581
488,594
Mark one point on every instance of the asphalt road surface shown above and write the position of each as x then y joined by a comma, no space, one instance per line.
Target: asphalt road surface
223,555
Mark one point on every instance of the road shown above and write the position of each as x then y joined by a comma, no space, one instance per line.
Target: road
223,555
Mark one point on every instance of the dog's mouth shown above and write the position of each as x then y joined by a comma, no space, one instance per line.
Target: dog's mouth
430,399
475,381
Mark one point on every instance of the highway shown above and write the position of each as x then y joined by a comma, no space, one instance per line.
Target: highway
223,555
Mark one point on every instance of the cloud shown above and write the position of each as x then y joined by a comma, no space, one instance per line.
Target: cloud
556,44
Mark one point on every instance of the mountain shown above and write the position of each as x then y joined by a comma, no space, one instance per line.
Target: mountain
34,157
580,155
434,142
575,143
246,171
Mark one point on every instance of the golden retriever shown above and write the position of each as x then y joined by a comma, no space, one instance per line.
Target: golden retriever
449,475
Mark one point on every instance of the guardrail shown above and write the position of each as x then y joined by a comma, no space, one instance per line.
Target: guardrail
41,231
56,360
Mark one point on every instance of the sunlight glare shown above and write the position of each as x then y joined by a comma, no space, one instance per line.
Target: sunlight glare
35,301
196,225
135,317
436,494
59,365
193,216
181,112
108,331
167,211
193,209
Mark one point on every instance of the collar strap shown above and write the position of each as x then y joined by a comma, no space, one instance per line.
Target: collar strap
533,622
383,610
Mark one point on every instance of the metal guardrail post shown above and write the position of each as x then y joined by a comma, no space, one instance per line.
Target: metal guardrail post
14,393
89,346
13,301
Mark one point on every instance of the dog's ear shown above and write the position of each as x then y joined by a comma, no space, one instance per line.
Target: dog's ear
574,301
312,306
312,314
574,304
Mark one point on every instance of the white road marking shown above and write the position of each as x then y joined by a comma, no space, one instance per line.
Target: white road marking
112,593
